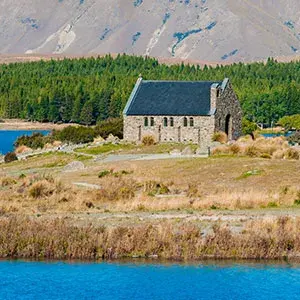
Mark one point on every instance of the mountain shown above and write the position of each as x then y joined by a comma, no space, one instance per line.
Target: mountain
202,30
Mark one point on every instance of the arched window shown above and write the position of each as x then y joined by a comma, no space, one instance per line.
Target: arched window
146,122
192,122
152,122
172,122
185,122
165,122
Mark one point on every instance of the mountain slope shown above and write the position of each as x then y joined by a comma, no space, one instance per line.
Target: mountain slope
208,30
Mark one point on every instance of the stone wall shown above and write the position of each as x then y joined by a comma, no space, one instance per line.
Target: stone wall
200,133
228,105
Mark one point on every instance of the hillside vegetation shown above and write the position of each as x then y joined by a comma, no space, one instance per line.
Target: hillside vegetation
94,89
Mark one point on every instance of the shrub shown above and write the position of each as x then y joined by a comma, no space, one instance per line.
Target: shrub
221,150
10,157
235,148
251,151
220,137
248,127
192,191
290,122
7,181
148,140
126,192
155,188
291,154
34,141
112,126
76,135
38,189
294,138
104,173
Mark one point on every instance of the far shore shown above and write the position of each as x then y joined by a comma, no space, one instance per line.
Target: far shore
18,124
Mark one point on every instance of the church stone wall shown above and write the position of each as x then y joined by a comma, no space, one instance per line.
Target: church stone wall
228,105
200,133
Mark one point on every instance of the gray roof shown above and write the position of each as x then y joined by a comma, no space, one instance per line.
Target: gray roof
170,98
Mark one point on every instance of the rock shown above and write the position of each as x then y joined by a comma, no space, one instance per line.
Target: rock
175,152
187,151
201,151
112,139
99,140
74,166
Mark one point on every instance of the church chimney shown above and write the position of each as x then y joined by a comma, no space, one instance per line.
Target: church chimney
214,94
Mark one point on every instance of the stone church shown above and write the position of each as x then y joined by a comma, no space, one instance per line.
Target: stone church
182,111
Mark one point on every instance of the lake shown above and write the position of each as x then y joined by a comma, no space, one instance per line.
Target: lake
8,137
59,280
272,135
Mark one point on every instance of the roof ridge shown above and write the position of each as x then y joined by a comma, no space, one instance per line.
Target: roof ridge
185,81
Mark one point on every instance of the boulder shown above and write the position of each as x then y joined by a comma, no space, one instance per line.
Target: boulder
74,166
112,139
175,152
187,151
98,140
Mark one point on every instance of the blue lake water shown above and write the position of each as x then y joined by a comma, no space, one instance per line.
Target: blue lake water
271,135
39,280
8,137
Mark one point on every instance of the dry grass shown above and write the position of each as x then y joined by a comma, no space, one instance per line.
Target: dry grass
181,184
148,140
57,239
22,149
276,148
220,137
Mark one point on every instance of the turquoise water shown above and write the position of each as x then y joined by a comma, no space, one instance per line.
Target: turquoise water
8,137
37,280
271,135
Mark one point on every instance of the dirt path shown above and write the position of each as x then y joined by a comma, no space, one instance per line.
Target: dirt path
233,217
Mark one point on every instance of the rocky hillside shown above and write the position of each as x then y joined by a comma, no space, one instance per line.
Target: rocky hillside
204,30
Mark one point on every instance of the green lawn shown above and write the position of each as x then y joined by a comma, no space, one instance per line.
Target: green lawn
132,149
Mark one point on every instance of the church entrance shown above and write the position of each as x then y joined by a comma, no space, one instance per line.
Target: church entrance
228,127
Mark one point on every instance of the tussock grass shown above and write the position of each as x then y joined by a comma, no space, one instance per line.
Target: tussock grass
220,137
57,239
148,140
22,149
276,148
199,184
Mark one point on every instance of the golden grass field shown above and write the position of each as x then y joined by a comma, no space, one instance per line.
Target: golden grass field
222,182
227,206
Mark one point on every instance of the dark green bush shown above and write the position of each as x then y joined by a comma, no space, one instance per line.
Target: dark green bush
75,134
105,173
35,141
294,138
10,157
111,126
248,127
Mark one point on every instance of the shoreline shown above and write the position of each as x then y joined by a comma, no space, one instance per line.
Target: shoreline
224,262
171,241
18,124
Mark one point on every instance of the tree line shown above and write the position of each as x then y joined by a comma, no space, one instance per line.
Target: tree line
90,90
